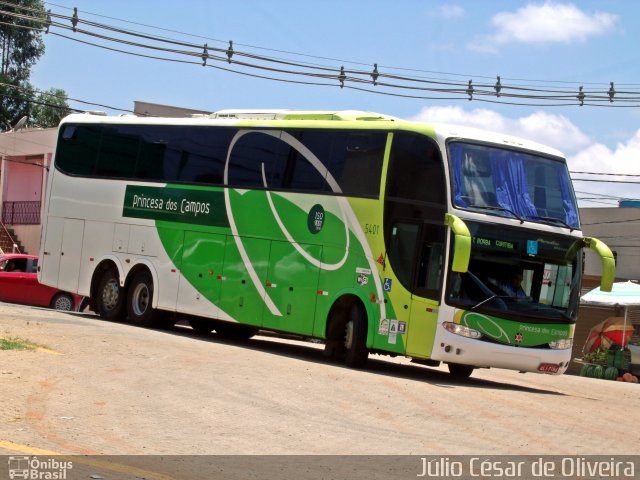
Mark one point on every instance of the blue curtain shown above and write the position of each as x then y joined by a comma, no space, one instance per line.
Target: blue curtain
509,177
457,151
570,208
510,183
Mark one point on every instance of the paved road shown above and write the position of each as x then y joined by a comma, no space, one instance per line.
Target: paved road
111,388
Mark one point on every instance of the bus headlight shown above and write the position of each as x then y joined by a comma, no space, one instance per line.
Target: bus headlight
461,330
563,344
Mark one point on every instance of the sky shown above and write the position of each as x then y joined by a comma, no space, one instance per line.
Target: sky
540,44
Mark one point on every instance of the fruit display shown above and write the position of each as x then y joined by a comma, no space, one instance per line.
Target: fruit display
628,377
609,364
597,357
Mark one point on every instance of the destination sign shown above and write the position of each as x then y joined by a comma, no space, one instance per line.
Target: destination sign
485,242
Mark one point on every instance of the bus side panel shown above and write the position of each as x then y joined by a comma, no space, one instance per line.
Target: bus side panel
97,242
169,263
202,261
50,258
240,292
64,235
292,284
71,254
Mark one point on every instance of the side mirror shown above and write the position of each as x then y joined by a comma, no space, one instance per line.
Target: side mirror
608,262
462,243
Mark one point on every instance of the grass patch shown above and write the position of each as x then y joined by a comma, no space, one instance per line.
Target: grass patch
17,344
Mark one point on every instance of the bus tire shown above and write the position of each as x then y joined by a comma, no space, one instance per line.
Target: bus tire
62,301
355,339
235,331
139,298
110,296
458,370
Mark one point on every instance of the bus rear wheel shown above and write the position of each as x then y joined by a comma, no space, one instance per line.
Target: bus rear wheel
110,296
460,371
355,340
139,298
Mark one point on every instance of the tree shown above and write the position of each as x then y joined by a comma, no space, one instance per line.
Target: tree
21,37
14,101
49,108
22,23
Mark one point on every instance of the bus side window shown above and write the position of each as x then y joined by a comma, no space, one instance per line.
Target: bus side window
118,152
402,251
198,154
430,266
356,162
77,150
295,171
253,153
416,170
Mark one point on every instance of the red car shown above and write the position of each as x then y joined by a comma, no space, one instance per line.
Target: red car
19,284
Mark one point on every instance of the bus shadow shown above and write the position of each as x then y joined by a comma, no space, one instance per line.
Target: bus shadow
307,351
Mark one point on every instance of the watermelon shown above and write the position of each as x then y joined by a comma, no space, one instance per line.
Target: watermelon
598,371
583,370
589,370
611,373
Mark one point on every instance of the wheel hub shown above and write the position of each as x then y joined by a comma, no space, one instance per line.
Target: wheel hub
111,295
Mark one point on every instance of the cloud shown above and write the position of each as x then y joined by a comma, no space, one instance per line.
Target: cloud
450,11
583,153
550,22
600,158
553,130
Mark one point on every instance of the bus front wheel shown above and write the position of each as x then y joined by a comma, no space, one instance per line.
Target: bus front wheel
110,296
139,298
460,371
355,340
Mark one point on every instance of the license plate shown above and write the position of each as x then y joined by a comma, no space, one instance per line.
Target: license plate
549,367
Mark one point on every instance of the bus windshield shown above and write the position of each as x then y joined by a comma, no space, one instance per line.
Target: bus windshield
512,183
519,274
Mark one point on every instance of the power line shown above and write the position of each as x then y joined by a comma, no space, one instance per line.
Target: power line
606,195
371,81
611,174
333,59
612,222
604,181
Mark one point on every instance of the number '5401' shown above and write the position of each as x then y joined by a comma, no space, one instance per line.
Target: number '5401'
371,229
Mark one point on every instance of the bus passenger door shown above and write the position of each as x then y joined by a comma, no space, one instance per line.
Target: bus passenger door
242,283
292,285
202,261
427,291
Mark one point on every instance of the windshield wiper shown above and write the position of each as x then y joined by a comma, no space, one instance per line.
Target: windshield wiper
552,219
499,209
488,299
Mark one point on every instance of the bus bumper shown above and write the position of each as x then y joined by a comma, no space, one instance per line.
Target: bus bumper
452,348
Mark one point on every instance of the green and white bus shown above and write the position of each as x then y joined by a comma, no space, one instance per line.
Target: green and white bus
373,234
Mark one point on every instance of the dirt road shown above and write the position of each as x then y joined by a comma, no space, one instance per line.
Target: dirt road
111,388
